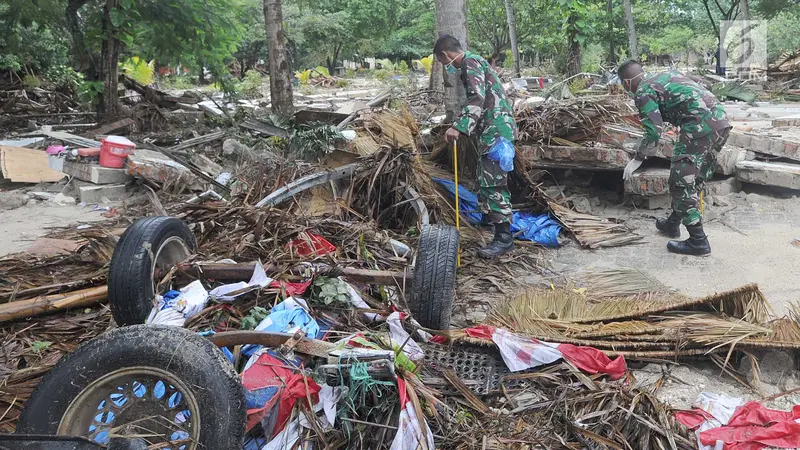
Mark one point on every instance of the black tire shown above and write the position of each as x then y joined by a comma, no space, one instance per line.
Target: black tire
193,360
433,288
131,291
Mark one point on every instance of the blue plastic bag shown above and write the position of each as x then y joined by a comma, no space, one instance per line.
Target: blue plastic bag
503,152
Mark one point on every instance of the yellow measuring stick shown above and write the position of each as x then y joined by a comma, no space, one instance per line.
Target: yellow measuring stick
702,204
458,208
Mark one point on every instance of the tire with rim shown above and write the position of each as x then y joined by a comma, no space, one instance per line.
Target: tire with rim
150,243
433,288
167,383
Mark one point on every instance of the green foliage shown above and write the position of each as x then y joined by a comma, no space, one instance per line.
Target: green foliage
254,317
403,68
252,83
330,291
89,92
311,140
31,81
177,82
783,33
40,346
64,78
508,62
592,58
382,74
139,70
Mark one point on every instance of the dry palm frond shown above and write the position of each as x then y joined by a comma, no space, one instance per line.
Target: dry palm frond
592,231
574,120
621,282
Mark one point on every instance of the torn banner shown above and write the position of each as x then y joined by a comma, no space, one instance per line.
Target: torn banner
522,352
750,427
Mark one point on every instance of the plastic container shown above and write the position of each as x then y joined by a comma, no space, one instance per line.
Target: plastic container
55,149
114,150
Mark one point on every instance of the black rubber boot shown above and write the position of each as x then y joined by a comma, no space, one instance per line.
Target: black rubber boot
696,245
503,242
670,226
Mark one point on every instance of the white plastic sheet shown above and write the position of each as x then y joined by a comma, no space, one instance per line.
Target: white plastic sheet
228,292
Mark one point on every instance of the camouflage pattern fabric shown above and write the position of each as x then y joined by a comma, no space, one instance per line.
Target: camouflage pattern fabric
673,97
488,113
494,198
693,164
486,116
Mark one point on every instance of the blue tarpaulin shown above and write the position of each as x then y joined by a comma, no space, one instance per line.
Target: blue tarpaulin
539,228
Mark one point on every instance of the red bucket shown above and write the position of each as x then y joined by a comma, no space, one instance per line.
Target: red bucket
114,150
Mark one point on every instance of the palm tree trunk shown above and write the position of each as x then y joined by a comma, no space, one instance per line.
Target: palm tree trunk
108,106
612,48
573,49
280,78
512,35
633,46
451,19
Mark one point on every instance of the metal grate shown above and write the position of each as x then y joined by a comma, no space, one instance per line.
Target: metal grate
480,368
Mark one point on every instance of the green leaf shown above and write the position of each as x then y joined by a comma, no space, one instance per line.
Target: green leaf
126,4
117,17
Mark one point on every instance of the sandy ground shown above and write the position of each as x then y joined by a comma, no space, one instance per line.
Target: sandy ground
21,226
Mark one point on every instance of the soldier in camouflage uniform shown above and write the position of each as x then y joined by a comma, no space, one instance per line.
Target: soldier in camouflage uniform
486,116
704,129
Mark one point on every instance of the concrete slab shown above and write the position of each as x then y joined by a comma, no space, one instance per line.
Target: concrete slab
787,121
769,174
159,168
582,158
99,194
729,156
655,202
648,182
721,188
628,137
96,174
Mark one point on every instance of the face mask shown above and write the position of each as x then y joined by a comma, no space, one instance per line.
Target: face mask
450,68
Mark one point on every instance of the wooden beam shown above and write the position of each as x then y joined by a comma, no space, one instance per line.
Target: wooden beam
238,272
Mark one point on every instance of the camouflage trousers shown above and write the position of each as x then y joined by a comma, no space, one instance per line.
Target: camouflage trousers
693,163
494,197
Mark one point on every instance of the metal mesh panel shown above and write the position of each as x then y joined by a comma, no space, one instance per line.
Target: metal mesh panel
480,368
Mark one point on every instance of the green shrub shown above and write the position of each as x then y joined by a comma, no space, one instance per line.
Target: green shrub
251,85
31,81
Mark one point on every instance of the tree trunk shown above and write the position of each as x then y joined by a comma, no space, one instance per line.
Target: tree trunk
82,60
512,35
108,106
633,46
280,78
612,48
451,18
573,49
201,73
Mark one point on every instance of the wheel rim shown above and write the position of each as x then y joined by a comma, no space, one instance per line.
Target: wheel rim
171,252
143,402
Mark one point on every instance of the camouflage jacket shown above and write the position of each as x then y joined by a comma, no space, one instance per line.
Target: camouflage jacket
673,97
488,113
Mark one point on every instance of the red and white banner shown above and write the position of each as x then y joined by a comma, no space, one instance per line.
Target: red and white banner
522,352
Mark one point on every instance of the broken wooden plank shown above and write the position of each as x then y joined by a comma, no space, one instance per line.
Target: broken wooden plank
264,128
23,309
24,165
769,174
238,272
116,127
